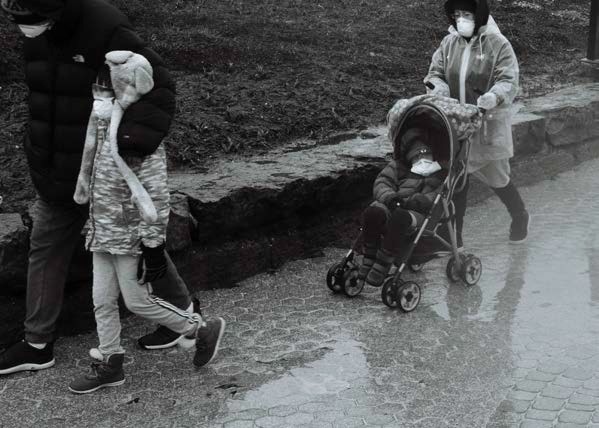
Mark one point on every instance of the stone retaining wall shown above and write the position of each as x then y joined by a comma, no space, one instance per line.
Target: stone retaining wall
246,215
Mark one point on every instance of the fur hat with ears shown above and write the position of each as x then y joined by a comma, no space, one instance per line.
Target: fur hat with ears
131,76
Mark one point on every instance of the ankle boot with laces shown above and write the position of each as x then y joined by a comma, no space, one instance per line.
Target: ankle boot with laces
103,374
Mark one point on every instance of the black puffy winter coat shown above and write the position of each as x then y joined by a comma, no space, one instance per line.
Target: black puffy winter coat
61,66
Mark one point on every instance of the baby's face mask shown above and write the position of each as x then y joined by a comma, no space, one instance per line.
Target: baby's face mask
425,166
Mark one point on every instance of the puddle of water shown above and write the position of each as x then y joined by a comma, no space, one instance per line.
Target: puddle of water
342,368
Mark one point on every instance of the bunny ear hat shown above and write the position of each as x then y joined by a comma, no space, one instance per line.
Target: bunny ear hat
131,77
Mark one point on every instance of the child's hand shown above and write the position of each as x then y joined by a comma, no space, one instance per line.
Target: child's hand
418,202
394,202
152,264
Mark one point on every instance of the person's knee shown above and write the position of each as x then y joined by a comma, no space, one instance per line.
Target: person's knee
374,215
401,221
136,306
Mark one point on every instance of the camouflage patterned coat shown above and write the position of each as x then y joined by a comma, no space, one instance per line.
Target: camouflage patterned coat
115,224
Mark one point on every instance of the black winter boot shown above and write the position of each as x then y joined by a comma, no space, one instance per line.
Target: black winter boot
380,269
512,200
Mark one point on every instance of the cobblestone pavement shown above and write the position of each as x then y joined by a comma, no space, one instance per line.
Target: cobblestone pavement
521,349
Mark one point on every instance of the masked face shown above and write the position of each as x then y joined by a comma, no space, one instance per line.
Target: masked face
103,101
35,30
103,107
465,27
425,167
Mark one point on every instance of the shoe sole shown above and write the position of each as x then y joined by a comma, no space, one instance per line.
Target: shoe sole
104,385
220,336
162,346
28,367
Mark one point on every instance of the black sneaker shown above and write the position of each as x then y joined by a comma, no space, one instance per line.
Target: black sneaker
519,228
164,337
23,357
161,338
208,339
102,375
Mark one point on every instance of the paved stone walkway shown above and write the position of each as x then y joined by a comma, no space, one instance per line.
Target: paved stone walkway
521,349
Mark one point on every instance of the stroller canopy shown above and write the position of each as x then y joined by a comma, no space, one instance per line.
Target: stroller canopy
446,121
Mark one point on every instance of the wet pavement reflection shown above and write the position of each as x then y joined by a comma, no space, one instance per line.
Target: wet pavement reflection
520,349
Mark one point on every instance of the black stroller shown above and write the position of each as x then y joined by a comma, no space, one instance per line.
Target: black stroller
452,126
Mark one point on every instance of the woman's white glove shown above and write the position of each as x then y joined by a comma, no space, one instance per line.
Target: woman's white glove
487,101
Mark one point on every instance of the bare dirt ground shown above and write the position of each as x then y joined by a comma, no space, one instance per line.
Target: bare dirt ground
252,74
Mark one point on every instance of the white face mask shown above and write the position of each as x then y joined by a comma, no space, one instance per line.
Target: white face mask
425,167
465,27
103,107
32,31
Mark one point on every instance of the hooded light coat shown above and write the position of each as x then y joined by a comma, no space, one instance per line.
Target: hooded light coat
465,70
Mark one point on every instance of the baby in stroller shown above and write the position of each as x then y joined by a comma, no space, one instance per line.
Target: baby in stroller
413,213
404,192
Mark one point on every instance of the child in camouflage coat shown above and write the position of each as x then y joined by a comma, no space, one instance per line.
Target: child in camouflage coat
128,210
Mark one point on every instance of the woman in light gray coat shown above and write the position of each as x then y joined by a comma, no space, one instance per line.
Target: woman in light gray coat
477,65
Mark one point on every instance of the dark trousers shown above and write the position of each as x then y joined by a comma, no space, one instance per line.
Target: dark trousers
509,196
396,227
55,234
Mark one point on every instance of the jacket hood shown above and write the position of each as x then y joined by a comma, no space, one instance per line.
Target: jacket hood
481,16
65,13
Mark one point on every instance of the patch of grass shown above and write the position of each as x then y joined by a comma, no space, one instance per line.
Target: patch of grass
252,74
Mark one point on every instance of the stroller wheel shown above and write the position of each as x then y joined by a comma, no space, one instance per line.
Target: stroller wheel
452,268
388,292
416,267
408,296
351,286
335,277
472,269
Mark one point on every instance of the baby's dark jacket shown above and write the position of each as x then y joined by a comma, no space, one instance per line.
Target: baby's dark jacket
396,180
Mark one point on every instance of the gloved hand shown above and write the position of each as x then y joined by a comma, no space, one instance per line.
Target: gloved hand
440,90
418,202
152,264
394,202
487,101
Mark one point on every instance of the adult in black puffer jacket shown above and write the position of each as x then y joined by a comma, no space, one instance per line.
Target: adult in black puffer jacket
64,52
61,66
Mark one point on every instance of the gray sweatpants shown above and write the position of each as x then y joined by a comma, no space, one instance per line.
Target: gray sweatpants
117,274
55,234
